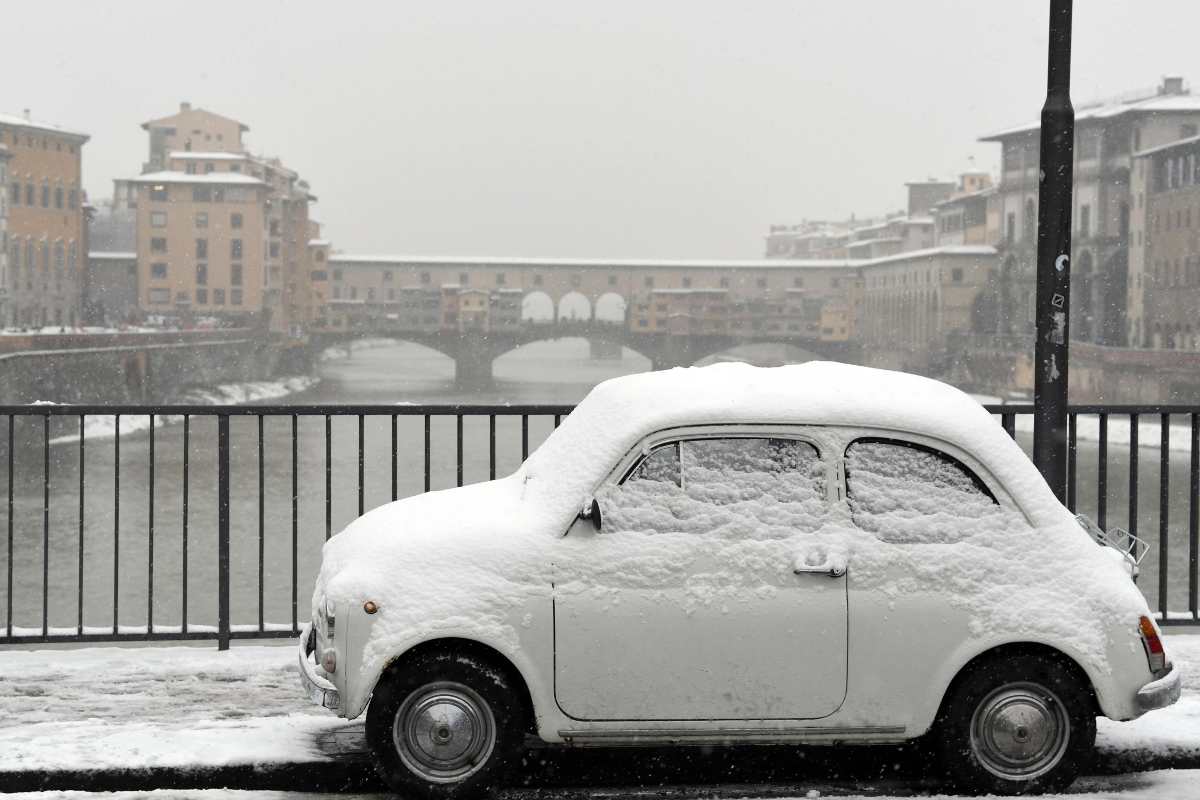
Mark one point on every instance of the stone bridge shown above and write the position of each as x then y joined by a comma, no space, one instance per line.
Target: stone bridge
474,350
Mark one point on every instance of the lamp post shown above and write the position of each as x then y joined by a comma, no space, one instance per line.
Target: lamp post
1054,257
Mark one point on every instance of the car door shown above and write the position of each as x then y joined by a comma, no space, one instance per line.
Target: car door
710,592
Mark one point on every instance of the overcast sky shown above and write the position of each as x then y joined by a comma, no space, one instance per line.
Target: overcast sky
614,128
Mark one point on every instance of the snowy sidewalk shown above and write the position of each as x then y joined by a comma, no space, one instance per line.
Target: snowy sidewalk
193,708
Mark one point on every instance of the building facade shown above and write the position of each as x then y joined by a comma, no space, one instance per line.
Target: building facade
1164,276
1107,134
5,288
222,235
46,226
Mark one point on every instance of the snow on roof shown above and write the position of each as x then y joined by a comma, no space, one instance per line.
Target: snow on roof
586,263
1168,146
1157,103
318,242
101,255
215,155
620,412
861,243
930,252
19,121
208,177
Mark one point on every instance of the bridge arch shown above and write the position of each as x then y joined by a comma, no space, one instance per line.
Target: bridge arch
610,307
574,306
537,307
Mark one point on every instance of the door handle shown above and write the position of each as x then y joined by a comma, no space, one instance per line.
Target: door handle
831,570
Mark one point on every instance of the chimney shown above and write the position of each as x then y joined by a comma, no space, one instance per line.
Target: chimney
1172,84
27,117
185,106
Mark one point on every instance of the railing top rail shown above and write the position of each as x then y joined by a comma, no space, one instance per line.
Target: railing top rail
1096,408
437,409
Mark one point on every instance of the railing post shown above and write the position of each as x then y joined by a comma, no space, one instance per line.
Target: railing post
223,532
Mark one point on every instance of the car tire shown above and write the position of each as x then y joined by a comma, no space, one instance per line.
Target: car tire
444,726
1018,725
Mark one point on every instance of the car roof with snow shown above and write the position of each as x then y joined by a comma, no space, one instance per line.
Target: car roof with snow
620,412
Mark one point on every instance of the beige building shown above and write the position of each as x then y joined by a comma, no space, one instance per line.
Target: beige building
221,233
5,154
45,227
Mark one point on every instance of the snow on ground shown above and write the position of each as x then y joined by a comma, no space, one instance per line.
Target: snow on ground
1158,785
98,708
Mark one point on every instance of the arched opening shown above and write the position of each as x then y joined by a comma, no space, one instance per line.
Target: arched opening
537,307
574,307
610,307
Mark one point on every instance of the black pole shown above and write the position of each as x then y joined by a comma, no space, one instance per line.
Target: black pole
1054,258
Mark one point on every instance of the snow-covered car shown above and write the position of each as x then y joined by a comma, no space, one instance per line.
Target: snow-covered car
805,554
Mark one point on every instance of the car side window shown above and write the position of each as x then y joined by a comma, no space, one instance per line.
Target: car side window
906,492
749,486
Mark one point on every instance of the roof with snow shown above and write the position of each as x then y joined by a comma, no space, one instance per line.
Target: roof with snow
185,109
224,178
1106,110
105,255
214,155
21,121
587,263
1149,151
620,412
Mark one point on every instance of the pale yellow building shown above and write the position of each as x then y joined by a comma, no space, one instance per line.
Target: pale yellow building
45,226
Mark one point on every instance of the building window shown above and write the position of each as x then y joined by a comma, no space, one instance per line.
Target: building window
58,197
235,274
798,283
274,249
353,292
190,168
158,244
956,275
201,296
235,221
761,283
72,256
501,278
202,219
724,283
218,297
158,270
235,248
235,297
45,194
425,277
612,280
387,276
158,219
1010,228
202,194
1085,220
158,192
202,274
370,293
160,297
649,282
537,280
687,283
464,279
337,274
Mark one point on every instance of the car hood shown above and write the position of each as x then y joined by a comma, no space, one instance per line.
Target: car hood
427,537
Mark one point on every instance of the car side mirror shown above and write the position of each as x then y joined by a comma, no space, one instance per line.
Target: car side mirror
591,510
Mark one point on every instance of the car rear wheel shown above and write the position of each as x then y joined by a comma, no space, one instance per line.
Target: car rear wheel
1017,725
444,726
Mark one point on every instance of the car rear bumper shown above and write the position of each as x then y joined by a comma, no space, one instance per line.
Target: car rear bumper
318,688
1162,692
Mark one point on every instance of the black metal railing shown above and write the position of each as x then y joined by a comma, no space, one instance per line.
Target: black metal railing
139,523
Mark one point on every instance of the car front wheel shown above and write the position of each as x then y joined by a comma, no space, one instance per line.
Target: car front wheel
1020,725
444,726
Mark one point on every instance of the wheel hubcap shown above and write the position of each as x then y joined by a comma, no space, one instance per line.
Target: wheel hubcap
1020,731
444,732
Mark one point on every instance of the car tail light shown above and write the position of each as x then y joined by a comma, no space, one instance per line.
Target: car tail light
1156,655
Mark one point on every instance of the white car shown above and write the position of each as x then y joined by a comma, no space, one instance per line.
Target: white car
815,554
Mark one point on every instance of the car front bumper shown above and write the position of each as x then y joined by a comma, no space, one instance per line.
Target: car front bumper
1162,692
318,688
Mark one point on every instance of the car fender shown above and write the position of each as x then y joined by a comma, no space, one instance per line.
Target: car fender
1099,676
371,667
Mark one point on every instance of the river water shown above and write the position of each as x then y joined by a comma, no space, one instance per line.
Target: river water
80,562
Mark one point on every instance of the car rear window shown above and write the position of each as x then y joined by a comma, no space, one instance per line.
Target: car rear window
906,492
